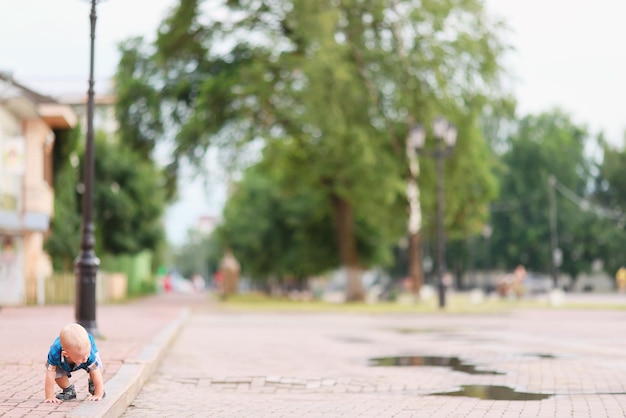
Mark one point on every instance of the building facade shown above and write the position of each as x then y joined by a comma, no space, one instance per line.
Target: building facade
28,121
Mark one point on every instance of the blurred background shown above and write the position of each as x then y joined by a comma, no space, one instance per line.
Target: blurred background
314,150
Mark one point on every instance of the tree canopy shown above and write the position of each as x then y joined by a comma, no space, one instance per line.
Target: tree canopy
341,82
128,200
586,209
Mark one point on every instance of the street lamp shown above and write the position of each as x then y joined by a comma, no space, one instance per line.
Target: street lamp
445,134
86,264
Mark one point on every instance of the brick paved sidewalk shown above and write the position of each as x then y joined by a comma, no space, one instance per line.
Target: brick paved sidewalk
134,335
251,364
238,364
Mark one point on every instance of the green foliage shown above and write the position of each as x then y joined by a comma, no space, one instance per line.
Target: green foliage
63,243
139,118
128,200
330,88
138,107
278,234
137,268
610,192
611,182
468,186
544,145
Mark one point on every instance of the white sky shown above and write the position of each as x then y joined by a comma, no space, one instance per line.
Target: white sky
568,54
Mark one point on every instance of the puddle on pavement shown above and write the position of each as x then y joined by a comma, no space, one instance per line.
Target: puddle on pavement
495,393
423,330
454,363
449,333
542,355
353,340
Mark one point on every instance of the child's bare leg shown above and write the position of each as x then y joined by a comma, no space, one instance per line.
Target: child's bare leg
62,381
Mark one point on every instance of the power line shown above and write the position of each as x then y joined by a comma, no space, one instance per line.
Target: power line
587,206
583,204
511,205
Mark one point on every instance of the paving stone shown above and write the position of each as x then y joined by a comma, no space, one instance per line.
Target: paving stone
223,364
125,330
300,366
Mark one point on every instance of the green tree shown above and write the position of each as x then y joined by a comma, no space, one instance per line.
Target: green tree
275,234
281,226
64,240
549,144
610,194
129,200
138,107
343,80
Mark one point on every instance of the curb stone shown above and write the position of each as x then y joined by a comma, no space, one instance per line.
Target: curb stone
124,386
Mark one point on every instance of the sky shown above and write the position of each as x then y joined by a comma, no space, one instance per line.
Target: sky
567,54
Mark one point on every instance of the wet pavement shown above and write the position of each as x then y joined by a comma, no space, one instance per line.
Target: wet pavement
181,356
541,364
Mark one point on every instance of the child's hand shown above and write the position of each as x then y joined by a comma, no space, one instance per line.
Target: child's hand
54,399
94,398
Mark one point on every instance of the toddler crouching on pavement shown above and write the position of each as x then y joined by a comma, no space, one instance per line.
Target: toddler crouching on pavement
72,350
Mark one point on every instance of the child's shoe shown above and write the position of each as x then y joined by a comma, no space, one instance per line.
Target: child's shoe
92,388
68,394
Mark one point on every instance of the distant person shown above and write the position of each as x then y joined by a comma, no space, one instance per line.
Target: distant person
518,281
620,279
74,349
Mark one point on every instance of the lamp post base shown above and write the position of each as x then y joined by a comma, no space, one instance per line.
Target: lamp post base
86,270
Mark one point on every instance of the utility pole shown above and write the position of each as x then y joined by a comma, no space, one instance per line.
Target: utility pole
555,255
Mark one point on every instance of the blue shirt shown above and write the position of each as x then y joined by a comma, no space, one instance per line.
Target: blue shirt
56,358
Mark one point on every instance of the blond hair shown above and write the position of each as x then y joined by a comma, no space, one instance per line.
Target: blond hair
75,337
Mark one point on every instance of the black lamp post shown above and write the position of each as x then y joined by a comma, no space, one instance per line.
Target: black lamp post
445,134
86,264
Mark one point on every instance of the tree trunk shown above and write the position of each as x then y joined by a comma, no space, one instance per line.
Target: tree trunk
415,220
347,249
415,264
